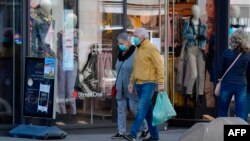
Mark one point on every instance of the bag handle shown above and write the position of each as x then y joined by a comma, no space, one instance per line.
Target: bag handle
231,66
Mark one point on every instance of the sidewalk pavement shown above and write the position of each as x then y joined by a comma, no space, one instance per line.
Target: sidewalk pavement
169,135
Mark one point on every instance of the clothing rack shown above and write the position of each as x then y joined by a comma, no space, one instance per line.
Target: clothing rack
97,48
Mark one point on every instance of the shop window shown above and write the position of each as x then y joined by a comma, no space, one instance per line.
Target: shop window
80,35
10,45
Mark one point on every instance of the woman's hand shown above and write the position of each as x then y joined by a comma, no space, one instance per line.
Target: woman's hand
130,88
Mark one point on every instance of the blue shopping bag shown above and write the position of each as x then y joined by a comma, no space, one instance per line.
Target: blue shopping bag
163,109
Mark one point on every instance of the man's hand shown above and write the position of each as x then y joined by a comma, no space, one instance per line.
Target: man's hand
130,88
160,87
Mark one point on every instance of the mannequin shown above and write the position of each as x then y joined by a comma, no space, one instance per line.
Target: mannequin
234,11
67,66
194,32
148,22
42,25
234,19
71,20
46,7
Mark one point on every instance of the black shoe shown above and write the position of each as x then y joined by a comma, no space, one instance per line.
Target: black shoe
117,136
144,134
150,139
129,137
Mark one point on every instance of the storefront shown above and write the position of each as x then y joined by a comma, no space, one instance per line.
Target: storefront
81,36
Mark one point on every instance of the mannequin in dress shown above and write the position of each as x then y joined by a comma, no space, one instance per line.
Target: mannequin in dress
194,31
67,71
42,25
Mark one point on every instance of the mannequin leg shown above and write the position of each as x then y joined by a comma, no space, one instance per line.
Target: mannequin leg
71,78
201,100
192,63
61,87
201,73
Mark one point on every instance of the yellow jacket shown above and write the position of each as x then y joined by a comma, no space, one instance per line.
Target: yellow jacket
148,64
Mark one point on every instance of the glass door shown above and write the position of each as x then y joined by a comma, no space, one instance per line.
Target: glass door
10,37
189,67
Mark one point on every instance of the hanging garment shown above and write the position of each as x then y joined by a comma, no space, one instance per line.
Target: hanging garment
178,98
88,81
108,79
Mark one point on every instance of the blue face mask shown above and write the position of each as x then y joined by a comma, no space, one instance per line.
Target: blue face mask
137,41
122,47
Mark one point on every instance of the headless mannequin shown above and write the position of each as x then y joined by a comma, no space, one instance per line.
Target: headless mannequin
195,53
196,15
71,20
235,19
45,7
234,14
42,29
66,76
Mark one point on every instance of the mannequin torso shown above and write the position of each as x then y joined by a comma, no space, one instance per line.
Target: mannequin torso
195,21
71,33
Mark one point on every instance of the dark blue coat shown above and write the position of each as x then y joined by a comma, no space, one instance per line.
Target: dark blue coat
238,73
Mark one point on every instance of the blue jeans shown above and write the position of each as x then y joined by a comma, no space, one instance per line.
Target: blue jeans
145,109
240,95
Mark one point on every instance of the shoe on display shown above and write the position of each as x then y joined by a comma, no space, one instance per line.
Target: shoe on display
150,139
117,136
129,137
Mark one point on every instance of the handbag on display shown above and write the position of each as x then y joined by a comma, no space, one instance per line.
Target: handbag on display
218,85
114,91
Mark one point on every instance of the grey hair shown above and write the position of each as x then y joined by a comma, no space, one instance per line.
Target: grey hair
124,36
141,32
240,39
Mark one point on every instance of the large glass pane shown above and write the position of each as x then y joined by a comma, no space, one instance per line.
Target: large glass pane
81,35
9,55
191,66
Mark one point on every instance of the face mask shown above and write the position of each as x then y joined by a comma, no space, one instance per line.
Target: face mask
122,47
136,41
